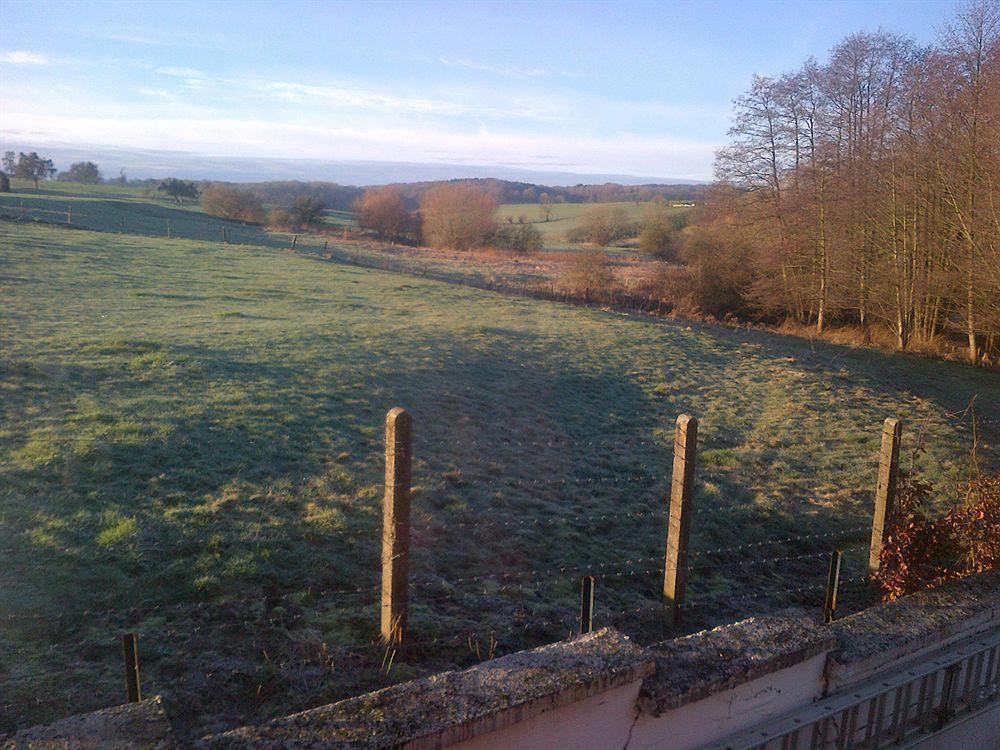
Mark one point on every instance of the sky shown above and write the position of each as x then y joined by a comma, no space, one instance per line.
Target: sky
637,88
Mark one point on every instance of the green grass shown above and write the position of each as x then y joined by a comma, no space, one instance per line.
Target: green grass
564,218
190,447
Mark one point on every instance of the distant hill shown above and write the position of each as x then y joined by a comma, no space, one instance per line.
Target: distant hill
148,163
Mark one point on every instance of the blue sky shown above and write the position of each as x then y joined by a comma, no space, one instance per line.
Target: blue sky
622,87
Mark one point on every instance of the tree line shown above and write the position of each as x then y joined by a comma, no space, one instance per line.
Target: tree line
863,189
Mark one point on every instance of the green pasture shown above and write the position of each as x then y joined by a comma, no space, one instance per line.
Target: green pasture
191,448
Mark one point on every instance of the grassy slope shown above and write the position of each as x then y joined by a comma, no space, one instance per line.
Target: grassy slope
190,447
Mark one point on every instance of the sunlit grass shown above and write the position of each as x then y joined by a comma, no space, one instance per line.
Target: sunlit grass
190,446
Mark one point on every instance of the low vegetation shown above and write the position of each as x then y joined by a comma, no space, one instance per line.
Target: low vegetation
198,427
232,203
925,548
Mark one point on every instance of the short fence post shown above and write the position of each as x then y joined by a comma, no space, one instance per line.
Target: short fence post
586,604
130,653
326,244
396,525
69,215
885,491
681,498
832,584
225,235
168,229
295,238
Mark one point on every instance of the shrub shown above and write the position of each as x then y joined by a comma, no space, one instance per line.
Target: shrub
519,238
229,202
281,220
588,272
603,225
457,216
4,183
921,551
383,211
658,234
307,210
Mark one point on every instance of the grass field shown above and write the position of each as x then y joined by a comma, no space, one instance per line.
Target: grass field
190,447
564,218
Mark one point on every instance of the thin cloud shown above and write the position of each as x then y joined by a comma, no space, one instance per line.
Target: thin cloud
520,73
170,70
23,57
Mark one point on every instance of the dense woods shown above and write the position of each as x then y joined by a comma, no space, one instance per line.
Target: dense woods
864,189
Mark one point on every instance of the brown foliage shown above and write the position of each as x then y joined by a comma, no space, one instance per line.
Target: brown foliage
232,203
922,551
588,272
383,211
602,225
870,182
457,216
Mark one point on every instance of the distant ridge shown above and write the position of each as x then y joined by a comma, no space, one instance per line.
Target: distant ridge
147,163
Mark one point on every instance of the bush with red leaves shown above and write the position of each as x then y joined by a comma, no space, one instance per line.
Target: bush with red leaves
922,551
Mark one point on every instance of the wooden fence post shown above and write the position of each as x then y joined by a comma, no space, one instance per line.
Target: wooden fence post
885,491
832,584
168,229
681,497
69,215
295,238
396,525
130,653
586,604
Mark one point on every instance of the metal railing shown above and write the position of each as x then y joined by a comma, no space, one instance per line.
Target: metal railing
889,712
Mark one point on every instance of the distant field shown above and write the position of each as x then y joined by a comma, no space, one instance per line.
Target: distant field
564,218
190,447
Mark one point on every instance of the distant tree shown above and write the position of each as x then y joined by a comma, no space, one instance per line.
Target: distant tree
458,216
33,167
545,201
178,189
121,179
603,225
520,238
83,171
4,183
9,162
229,202
307,210
383,211
657,237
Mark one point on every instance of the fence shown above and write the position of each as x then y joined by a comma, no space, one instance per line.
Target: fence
895,710
670,572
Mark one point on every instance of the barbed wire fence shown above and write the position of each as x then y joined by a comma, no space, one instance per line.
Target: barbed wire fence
419,615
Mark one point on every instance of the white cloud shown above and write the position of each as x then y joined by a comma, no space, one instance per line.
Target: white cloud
170,70
23,57
220,136
496,70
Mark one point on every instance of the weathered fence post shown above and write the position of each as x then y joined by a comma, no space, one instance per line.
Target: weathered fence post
295,238
396,525
832,584
130,653
885,491
586,604
326,245
168,229
681,497
69,215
